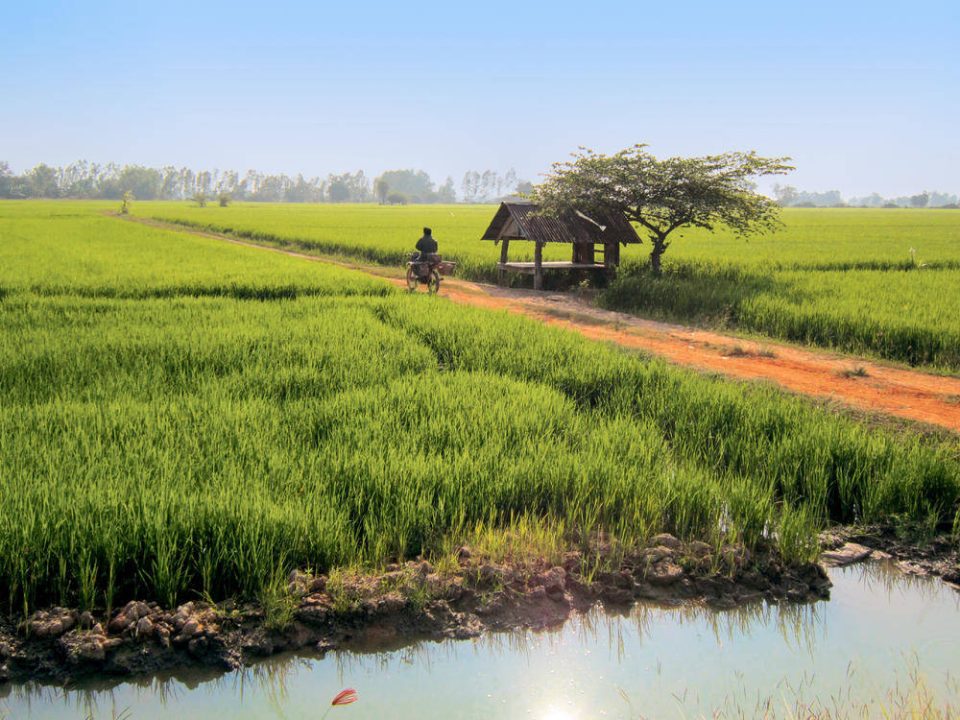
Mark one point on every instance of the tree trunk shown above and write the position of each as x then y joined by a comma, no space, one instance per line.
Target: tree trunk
659,247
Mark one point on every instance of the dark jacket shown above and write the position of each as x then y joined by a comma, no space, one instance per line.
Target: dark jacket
427,245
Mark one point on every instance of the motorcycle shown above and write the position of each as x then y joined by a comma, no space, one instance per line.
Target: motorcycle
427,270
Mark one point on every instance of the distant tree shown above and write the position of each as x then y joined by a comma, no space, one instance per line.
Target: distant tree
228,182
487,186
204,182
271,188
789,196
396,198
470,186
6,179
126,201
187,181
939,199
785,195
338,190
224,199
359,186
416,185
200,198
663,196
919,201
524,187
381,188
79,179
874,200
506,184
300,190
889,205
348,187
250,183
143,182
447,193
41,182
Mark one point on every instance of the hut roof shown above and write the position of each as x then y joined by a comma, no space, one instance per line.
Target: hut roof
519,221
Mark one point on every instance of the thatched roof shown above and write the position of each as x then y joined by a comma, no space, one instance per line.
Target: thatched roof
519,221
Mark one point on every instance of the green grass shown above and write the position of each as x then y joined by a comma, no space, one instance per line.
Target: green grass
905,315
880,282
69,248
834,239
380,234
163,438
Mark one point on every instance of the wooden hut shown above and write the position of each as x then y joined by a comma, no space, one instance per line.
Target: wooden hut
520,221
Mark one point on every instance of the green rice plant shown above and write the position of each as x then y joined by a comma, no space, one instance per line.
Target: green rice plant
165,568
162,444
87,576
750,511
797,530
890,313
276,601
840,278
520,540
89,255
343,590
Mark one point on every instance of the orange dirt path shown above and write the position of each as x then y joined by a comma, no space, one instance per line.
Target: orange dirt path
883,389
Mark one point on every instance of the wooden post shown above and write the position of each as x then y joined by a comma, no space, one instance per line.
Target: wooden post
611,255
583,254
611,259
538,266
502,274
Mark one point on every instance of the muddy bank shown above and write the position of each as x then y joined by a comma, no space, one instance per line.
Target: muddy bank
404,602
938,555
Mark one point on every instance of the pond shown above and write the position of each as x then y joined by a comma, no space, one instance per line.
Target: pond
885,639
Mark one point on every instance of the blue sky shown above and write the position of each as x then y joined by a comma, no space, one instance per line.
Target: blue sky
864,96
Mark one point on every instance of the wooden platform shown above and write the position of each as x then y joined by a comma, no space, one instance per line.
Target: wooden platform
531,267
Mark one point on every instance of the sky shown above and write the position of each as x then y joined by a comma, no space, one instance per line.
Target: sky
864,96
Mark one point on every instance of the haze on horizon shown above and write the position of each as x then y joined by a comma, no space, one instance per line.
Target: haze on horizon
862,95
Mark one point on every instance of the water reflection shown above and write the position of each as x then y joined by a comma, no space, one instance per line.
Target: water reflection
880,627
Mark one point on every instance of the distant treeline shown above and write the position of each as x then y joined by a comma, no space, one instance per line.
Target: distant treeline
789,196
86,180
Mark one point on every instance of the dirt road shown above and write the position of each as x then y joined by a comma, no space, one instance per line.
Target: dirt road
862,384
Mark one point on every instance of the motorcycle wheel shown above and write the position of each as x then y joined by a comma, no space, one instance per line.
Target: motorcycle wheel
412,279
433,284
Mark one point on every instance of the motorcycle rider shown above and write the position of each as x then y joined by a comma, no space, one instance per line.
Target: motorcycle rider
427,246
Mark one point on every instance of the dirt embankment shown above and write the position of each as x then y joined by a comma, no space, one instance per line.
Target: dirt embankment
405,602
865,385
938,555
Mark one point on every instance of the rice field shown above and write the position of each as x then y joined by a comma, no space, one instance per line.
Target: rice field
183,417
878,282
58,251
912,316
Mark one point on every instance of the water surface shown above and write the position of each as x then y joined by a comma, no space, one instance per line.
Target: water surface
880,634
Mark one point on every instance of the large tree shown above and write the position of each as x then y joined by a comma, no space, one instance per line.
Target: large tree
662,196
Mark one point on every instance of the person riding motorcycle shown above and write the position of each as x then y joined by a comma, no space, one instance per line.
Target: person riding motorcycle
427,246
425,266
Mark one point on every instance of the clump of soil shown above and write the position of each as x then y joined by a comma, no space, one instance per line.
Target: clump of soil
938,555
415,600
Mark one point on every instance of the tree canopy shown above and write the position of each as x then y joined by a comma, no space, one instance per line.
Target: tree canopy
664,195
396,186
